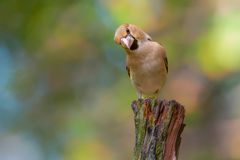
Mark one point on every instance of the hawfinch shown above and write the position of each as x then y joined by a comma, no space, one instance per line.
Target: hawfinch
146,60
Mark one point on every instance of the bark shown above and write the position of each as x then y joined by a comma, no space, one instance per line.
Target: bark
158,128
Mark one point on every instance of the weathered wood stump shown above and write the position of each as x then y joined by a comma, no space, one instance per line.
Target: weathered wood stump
158,128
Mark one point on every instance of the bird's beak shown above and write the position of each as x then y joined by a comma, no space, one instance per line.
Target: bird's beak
127,41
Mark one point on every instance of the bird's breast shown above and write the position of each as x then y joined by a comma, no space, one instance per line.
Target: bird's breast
148,74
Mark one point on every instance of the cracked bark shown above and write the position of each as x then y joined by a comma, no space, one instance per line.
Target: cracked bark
158,128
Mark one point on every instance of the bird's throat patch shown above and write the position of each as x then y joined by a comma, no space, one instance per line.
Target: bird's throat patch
134,45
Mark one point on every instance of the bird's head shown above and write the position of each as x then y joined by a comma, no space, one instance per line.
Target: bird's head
129,36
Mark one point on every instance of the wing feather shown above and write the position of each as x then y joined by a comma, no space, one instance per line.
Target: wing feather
128,71
166,62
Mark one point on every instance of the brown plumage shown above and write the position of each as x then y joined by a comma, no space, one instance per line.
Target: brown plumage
146,61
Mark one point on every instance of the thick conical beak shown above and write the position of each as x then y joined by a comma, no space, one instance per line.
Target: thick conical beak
127,42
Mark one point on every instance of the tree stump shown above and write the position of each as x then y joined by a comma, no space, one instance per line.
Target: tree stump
158,128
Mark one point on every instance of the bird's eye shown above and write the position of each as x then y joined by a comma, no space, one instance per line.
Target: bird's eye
128,31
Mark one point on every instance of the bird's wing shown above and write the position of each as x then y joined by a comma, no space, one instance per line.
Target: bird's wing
128,71
166,62
161,54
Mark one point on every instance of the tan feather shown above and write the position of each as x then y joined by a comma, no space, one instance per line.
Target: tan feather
146,64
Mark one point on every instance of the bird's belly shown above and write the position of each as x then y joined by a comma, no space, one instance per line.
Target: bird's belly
148,81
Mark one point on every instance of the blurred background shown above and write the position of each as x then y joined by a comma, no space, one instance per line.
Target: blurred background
65,94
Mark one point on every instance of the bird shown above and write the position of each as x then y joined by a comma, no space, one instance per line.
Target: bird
146,60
